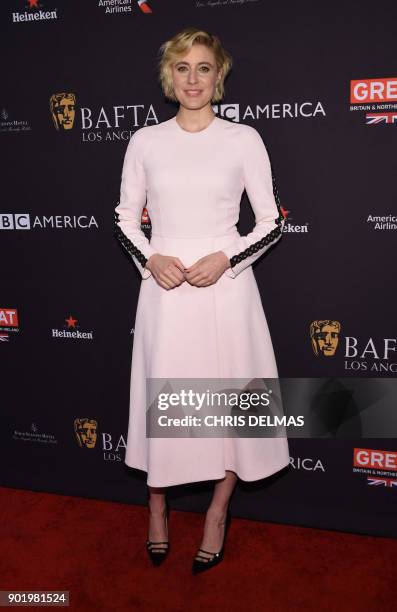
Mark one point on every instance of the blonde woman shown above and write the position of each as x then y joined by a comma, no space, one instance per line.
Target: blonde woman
199,312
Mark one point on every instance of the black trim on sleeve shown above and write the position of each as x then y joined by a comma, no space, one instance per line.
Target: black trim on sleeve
268,239
126,242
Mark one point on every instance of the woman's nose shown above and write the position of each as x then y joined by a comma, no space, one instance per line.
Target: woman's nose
192,77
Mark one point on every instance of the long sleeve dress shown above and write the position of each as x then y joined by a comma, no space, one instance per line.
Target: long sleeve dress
191,184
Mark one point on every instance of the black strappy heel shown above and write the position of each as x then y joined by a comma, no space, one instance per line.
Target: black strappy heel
157,553
208,562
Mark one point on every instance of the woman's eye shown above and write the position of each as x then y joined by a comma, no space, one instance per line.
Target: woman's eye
203,68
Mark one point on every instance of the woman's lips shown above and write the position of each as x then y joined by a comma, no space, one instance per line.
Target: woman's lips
192,92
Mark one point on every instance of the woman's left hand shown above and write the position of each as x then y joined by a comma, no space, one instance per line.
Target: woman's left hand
206,270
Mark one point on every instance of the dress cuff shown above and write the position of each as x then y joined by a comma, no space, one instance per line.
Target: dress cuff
230,272
229,252
148,251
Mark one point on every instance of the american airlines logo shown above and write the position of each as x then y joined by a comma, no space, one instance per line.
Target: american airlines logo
123,7
384,222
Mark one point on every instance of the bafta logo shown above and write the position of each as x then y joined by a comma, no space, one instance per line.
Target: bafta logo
62,106
324,337
86,432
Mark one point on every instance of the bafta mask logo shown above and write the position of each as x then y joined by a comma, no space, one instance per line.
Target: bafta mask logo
86,432
63,110
324,337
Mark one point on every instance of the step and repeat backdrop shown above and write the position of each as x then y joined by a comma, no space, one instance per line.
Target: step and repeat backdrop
78,79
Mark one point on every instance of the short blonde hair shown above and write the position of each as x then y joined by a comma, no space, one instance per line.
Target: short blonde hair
179,45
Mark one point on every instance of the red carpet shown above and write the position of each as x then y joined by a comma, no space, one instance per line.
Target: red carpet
95,550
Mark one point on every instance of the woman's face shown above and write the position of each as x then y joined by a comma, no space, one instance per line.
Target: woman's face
194,77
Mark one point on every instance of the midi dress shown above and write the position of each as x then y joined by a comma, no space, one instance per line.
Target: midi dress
191,184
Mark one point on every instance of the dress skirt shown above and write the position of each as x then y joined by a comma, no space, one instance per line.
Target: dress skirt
218,331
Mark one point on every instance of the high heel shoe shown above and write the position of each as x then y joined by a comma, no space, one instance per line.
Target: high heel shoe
157,554
208,562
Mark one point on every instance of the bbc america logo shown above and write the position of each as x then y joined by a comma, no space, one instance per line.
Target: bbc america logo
23,221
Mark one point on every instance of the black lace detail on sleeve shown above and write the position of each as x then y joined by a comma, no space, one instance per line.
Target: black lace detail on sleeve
126,242
268,239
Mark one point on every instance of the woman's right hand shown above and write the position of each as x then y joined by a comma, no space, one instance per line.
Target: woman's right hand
167,270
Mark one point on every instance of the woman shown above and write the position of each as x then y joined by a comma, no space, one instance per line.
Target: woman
199,312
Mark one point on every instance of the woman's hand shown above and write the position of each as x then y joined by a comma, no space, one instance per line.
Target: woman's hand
206,270
167,270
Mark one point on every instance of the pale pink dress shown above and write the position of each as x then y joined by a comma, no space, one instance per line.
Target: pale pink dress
191,184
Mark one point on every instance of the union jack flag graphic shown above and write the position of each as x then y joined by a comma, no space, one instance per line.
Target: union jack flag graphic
385,482
377,118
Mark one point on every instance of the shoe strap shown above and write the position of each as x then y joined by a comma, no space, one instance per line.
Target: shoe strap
210,551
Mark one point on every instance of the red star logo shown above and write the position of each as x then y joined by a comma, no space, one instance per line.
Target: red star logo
284,212
33,3
71,322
